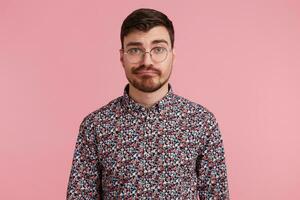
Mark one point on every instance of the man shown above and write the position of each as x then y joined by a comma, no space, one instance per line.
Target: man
149,143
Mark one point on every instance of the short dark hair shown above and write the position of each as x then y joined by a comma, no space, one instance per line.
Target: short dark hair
143,20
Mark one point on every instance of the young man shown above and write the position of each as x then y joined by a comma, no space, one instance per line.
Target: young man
149,143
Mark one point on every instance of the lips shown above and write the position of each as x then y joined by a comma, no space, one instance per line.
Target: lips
147,72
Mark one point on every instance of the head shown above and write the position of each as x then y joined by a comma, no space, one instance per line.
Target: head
147,32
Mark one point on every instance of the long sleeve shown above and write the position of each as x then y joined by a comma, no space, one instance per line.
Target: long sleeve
211,168
85,177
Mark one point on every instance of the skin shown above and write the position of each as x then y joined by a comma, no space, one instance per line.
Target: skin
148,81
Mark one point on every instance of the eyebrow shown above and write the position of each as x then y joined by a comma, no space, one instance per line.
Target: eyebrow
153,42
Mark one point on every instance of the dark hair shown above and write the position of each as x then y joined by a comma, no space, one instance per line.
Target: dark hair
143,20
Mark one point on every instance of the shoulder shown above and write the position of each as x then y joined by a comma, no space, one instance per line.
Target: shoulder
105,112
196,110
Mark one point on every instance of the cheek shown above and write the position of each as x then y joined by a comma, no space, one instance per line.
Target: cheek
128,68
168,66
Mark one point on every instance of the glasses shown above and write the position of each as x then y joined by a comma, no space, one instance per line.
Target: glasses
136,55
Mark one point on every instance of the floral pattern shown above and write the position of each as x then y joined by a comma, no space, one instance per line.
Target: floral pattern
172,150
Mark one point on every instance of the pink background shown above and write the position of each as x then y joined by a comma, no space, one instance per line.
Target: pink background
59,61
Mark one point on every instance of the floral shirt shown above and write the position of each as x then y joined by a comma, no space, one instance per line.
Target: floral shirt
172,150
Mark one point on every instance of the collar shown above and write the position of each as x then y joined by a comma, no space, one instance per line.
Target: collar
162,105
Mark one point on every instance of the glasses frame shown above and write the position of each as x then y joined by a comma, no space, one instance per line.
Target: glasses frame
144,53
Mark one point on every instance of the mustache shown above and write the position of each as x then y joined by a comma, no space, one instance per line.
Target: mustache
136,70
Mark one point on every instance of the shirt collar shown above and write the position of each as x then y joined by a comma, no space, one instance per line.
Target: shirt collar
162,105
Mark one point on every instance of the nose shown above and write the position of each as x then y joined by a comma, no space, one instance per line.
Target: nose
147,60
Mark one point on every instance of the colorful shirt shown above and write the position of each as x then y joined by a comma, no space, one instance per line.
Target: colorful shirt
172,150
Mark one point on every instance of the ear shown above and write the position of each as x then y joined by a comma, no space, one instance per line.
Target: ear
174,54
121,55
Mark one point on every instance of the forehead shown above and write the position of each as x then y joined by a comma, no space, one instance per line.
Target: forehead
147,38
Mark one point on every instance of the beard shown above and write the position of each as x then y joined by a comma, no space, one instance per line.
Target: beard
147,83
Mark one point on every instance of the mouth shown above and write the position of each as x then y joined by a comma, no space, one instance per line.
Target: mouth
147,72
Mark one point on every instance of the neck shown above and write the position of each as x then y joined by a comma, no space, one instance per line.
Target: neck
147,99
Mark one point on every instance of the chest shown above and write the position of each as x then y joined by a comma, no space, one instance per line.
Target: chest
147,145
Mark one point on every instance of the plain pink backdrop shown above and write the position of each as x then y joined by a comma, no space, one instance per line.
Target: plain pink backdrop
59,61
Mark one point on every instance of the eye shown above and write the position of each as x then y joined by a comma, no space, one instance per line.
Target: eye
158,50
134,51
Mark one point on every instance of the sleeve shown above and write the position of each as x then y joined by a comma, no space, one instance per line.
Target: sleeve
85,177
211,168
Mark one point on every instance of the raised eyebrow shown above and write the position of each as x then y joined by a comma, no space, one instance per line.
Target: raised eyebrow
134,44
159,41
141,44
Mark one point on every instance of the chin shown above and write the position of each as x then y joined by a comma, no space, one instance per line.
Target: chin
150,86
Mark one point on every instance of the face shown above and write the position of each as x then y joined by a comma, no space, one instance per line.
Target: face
147,75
